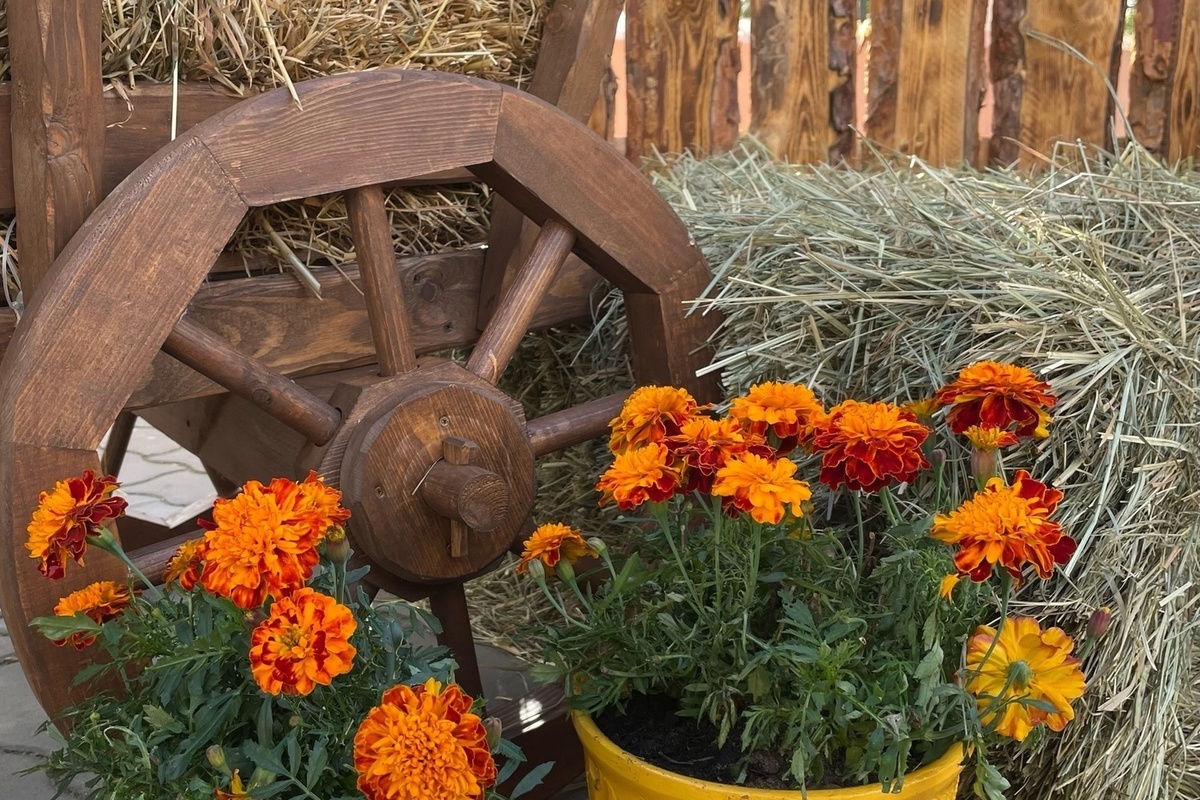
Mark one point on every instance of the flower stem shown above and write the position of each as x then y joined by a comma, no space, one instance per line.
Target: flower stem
862,537
108,543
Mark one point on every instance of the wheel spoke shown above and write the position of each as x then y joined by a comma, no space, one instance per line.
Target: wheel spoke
278,395
118,443
449,604
152,559
574,425
381,280
502,335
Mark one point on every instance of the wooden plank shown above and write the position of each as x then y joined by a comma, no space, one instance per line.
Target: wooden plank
802,63
682,65
1050,94
1164,83
926,77
57,124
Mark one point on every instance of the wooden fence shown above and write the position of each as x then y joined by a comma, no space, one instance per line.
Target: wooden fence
1051,66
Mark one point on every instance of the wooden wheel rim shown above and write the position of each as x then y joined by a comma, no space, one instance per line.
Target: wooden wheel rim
166,224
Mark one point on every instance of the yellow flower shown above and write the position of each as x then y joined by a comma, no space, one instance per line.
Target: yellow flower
947,587
552,543
994,395
985,440
236,789
650,414
184,567
789,410
100,601
66,515
637,475
1026,666
304,642
923,409
423,744
761,487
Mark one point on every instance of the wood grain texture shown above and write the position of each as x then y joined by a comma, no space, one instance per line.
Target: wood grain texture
682,64
1164,85
926,101
560,430
1060,97
57,124
802,63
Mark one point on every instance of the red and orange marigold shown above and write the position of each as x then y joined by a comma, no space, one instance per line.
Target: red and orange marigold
788,410
761,487
423,743
650,414
638,475
867,446
1006,526
552,543
264,541
704,445
66,515
185,566
100,601
990,394
305,641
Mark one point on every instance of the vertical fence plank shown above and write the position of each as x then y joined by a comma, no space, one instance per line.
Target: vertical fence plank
925,77
1044,92
802,85
1164,85
682,65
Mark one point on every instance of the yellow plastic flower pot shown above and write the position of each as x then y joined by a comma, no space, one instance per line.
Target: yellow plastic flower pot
613,774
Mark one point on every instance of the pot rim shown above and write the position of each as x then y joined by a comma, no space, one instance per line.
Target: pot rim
922,777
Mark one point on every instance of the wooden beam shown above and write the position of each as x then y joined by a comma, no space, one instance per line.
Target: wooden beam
802,62
926,77
683,60
1044,93
57,124
1164,85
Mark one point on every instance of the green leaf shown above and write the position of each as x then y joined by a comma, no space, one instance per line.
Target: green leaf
264,758
532,779
57,628
989,783
318,757
159,719
265,723
931,664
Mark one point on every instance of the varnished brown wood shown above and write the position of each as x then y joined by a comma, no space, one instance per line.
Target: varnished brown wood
57,124
682,64
381,282
461,452
449,605
117,443
468,494
1165,79
204,351
927,77
571,426
802,62
1049,94
499,341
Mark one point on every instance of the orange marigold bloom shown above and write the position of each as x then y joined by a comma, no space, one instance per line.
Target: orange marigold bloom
761,487
638,475
264,541
946,589
870,445
552,543
789,410
650,414
994,395
922,409
985,440
1007,526
304,642
66,516
1026,666
704,445
184,567
100,601
236,789
423,744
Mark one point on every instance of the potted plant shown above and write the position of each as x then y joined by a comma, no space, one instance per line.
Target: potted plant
797,639
259,669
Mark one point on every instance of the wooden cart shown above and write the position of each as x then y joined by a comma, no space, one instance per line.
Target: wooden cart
435,461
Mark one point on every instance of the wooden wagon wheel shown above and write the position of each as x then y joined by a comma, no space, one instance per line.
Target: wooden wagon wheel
435,462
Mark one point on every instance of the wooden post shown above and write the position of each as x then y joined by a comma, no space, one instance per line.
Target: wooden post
802,61
57,125
1164,84
682,66
926,77
1044,93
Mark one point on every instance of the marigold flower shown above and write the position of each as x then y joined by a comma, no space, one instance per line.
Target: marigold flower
185,566
423,744
946,589
994,395
264,541
552,543
1027,666
651,414
923,409
789,410
985,440
100,601
236,789
761,487
304,642
1007,526
869,445
638,475
66,515
703,445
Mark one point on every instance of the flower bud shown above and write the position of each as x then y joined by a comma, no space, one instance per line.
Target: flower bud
937,458
565,572
337,546
494,728
537,571
985,465
216,757
259,779
1098,623
294,721
597,544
